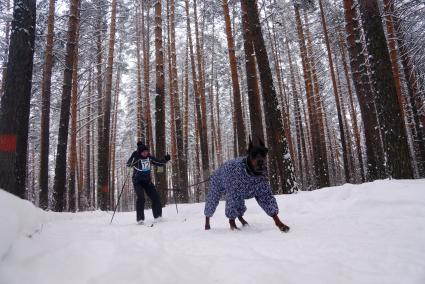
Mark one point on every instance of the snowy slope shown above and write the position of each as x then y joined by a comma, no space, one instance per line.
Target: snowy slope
370,233
18,218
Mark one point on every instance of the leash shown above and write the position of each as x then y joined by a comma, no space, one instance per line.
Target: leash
187,187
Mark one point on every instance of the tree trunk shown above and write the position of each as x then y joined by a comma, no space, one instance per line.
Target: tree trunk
186,109
139,115
195,80
301,147
104,147
45,109
161,179
114,124
414,97
182,157
6,51
281,160
284,104
391,116
175,178
217,106
73,137
319,167
254,100
240,125
146,71
203,114
60,169
353,111
321,156
16,99
99,86
374,152
87,180
336,94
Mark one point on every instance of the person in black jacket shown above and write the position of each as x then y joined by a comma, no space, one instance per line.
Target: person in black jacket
142,161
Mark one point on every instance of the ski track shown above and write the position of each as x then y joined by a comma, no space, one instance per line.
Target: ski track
370,233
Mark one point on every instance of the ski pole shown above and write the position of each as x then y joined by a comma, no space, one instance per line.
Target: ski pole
175,201
119,196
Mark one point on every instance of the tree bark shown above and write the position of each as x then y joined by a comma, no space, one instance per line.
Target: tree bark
321,156
374,152
16,99
281,159
319,166
87,174
240,125
182,157
104,148
301,145
414,97
391,116
73,137
6,52
60,169
146,71
336,94
45,109
203,114
353,111
99,87
139,97
161,179
254,100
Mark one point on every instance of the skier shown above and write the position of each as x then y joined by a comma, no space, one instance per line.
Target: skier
240,179
142,162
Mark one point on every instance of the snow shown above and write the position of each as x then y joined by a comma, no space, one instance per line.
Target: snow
18,219
369,233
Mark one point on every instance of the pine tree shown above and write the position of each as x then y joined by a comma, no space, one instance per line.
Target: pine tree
60,168
161,179
282,168
15,103
390,114
240,125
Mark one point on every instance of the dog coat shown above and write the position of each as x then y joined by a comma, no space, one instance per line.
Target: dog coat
232,181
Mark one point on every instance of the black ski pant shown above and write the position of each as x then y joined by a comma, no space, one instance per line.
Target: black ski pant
149,188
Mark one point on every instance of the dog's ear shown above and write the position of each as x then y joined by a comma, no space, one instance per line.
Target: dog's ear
261,143
250,146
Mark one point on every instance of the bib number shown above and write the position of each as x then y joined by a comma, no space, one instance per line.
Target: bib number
145,165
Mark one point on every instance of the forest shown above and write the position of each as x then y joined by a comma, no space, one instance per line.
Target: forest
335,89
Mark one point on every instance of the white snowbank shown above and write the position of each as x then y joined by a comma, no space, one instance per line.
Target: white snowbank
370,233
18,218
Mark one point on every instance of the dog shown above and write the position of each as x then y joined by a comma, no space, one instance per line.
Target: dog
239,179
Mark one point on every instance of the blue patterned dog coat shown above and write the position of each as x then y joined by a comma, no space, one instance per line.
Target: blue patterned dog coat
232,181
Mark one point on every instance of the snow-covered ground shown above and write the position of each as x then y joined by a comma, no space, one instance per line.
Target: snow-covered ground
370,233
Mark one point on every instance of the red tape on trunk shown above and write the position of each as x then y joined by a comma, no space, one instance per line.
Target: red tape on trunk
7,143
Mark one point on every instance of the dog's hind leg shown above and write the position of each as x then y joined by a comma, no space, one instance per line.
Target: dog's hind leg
243,221
233,224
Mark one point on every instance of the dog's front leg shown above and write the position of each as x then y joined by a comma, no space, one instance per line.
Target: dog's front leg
207,223
279,224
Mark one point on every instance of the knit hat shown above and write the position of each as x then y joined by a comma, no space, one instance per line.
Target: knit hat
141,146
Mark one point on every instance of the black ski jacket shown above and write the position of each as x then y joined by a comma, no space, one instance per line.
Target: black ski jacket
143,166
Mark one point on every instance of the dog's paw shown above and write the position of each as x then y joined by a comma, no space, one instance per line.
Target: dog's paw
243,221
284,228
